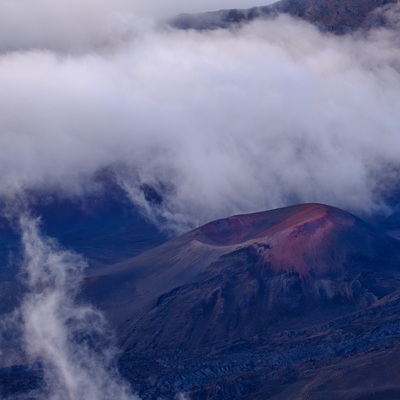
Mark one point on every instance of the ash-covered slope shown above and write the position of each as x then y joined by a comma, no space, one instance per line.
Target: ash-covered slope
248,275
337,16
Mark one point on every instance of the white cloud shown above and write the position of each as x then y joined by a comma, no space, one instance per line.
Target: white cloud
223,121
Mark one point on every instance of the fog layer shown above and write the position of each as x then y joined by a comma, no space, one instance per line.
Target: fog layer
217,122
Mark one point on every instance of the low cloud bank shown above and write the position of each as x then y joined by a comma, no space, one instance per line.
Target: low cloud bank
216,122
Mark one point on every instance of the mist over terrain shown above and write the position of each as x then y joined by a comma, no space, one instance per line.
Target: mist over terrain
219,122
185,126
71,340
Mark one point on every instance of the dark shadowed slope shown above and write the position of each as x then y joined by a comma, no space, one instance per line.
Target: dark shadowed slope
103,226
338,16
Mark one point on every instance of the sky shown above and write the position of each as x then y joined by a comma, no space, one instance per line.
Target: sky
49,24
161,8
221,122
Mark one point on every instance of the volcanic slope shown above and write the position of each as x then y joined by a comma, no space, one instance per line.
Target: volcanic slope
301,302
248,276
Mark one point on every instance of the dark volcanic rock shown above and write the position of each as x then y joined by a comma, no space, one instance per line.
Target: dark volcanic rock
353,357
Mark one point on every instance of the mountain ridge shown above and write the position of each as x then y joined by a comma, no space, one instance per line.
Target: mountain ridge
339,16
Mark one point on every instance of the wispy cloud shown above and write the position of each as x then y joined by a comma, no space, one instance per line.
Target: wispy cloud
70,340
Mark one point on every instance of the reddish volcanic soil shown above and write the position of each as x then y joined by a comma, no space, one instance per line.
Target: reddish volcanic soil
297,236
307,219
308,239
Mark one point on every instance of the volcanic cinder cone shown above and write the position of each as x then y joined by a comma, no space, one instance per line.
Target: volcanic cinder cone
248,275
